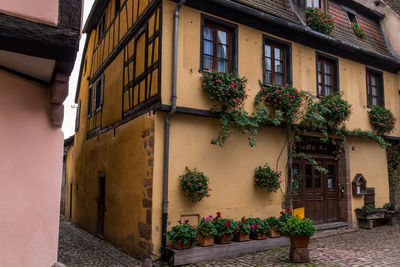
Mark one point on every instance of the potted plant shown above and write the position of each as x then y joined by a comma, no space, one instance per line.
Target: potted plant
276,226
358,30
259,228
206,231
319,20
382,119
299,231
225,229
242,230
194,185
267,178
183,235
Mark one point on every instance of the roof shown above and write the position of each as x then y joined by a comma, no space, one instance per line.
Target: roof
279,8
373,41
394,4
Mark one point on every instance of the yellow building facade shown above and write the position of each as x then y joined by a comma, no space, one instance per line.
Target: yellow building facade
116,167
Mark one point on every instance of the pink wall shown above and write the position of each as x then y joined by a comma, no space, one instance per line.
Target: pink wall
45,11
31,153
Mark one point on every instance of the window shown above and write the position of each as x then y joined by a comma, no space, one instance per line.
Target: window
218,45
314,3
327,75
276,62
78,117
375,95
98,93
101,29
90,101
352,17
117,6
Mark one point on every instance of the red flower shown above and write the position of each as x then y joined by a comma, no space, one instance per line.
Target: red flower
219,214
237,228
287,209
179,241
186,221
281,212
195,237
310,219
180,222
227,223
223,234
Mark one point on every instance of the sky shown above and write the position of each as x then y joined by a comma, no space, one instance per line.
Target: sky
69,103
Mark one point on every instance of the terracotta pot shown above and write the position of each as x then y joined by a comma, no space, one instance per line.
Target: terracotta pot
227,239
206,241
241,237
273,233
299,241
258,236
179,246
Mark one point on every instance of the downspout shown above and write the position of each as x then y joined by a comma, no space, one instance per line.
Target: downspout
167,131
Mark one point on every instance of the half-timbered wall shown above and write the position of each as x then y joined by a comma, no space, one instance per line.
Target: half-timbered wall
125,60
142,66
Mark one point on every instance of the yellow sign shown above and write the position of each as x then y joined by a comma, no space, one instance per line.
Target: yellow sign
299,213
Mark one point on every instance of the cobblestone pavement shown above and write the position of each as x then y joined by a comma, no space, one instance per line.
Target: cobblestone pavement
79,248
377,247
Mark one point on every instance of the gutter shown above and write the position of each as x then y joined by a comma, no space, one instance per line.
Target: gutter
167,131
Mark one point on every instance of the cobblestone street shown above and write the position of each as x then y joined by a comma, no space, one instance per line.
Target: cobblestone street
79,248
377,247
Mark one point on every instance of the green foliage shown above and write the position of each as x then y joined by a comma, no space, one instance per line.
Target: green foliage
239,120
275,223
285,99
185,233
285,215
267,178
366,134
358,30
369,207
319,20
382,119
224,226
226,88
389,206
393,155
299,227
243,226
258,226
194,185
330,112
207,227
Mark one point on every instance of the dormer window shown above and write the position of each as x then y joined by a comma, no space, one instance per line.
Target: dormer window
314,3
352,17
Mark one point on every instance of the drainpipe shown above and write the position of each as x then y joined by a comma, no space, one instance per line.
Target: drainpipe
167,131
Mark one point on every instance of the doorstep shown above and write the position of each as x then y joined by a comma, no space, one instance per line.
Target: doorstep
199,254
331,226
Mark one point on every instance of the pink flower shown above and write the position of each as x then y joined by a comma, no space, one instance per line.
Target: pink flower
206,219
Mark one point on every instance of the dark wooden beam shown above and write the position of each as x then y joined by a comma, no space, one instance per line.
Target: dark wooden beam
36,39
70,14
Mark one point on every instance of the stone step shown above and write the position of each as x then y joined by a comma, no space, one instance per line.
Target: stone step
331,226
199,254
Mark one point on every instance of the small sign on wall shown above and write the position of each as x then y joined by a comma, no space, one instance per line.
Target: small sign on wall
298,213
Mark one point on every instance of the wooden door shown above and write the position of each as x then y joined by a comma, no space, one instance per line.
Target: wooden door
318,193
101,206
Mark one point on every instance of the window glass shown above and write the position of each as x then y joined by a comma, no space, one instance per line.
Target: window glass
217,47
326,78
275,69
374,90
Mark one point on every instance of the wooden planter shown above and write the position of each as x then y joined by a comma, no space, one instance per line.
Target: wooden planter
241,237
180,246
370,215
273,233
299,241
227,239
258,236
206,241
